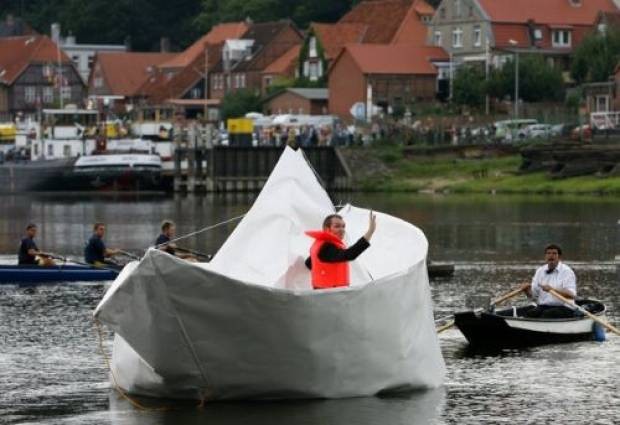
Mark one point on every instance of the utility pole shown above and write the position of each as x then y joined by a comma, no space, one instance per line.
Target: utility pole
206,86
487,108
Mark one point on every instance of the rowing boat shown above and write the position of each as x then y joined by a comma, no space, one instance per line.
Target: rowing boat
61,273
508,328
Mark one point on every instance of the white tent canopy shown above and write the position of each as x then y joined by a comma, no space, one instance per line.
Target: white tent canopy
249,325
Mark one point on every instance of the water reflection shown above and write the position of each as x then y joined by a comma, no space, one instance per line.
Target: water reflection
52,372
419,408
459,228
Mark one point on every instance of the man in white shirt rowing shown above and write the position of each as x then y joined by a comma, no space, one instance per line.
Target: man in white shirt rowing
554,275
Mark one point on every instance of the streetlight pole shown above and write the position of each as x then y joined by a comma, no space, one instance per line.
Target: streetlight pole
516,53
516,84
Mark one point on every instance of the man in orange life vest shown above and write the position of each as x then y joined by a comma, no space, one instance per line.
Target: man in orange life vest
329,256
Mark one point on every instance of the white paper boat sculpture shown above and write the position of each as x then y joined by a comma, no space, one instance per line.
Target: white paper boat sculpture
249,325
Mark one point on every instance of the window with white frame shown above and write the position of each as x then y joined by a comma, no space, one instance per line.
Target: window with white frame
65,92
30,94
457,37
477,38
561,38
313,52
242,80
48,95
98,82
457,8
602,103
50,150
437,38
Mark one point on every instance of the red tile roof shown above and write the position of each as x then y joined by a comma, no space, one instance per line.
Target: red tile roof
125,72
412,30
286,63
218,34
423,8
505,32
383,18
394,59
545,11
16,53
334,37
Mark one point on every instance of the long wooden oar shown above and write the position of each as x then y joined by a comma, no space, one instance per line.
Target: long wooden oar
569,304
499,300
196,253
69,260
128,254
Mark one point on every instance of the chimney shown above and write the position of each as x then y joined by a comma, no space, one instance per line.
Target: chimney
164,44
56,32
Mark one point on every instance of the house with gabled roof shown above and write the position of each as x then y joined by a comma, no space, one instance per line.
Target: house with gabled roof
389,76
244,60
490,30
35,73
370,21
118,78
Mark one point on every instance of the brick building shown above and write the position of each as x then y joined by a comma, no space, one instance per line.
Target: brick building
300,101
244,60
388,76
34,74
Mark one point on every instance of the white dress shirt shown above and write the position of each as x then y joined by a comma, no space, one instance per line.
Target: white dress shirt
562,277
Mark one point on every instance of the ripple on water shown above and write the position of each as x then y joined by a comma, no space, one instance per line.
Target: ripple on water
51,370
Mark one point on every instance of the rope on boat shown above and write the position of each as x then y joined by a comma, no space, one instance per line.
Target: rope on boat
204,229
115,384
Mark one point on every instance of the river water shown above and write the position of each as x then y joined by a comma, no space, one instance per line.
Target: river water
51,370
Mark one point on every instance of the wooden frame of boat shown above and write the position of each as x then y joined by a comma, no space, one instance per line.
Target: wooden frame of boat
507,328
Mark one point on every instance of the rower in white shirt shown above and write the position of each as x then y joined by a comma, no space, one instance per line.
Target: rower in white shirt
556,275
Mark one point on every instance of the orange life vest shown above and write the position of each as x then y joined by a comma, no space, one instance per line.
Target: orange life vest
327,275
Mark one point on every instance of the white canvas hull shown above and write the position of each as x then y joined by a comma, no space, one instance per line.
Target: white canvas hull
209,336
249,325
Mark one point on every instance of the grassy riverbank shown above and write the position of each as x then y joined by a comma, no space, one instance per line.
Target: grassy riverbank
457,175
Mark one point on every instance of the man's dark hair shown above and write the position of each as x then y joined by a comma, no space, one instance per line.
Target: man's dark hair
166,224
96,225
328,220
31,226
553,246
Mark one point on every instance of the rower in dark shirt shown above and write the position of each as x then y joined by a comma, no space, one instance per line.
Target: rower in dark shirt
168,231
95,252
29,254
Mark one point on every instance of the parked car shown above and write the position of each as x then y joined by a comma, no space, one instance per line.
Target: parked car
536,131
507,130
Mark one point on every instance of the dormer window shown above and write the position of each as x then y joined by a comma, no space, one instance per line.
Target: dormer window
312,48
561,38
538,35
457,8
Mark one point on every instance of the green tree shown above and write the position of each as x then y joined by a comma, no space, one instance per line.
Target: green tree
538,81
301,11
238,103
468,87
596,57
